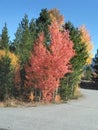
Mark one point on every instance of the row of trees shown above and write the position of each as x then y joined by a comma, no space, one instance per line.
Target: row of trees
45,59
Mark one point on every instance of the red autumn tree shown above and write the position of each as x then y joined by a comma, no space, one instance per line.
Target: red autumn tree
47,66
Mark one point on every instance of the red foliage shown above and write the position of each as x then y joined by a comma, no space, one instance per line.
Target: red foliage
46,67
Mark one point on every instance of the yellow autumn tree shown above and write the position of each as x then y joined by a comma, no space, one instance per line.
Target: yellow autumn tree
56,16
12,56
86,39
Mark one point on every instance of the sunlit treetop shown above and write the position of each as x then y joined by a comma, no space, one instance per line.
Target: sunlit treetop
56,16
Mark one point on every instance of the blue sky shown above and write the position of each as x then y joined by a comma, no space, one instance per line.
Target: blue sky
79,12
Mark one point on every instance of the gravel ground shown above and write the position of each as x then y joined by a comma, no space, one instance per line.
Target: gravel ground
81,114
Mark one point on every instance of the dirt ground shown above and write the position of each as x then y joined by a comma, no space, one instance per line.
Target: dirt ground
81,114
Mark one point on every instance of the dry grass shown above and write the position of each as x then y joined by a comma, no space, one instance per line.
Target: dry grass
1,104
77,92
19,103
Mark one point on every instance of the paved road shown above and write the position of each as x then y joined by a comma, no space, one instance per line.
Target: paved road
79,114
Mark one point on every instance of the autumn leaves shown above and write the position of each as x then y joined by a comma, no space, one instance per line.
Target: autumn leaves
45,55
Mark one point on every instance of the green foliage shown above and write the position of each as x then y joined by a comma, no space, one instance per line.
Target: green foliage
25,37
87,73
6,78
4,42
78,61
23,41
65,90
43,23
95,60
33,30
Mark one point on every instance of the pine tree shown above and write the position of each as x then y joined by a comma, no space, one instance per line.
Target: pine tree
24,44
33,30
78,61
4,42
43,23
18,39
6,78
23,41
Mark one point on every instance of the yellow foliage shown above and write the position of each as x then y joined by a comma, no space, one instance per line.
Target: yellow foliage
86,39
77,92
56,16
14,59
52,17
89,59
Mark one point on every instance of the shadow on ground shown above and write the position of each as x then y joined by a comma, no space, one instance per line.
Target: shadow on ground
3,129
89,84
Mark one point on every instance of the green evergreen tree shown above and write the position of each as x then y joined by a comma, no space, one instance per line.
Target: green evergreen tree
70,81
23,42
6,78
43,23
27,33
95,66
4,42
18,38
33,30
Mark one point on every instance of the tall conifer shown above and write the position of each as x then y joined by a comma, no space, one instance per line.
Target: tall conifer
70,81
